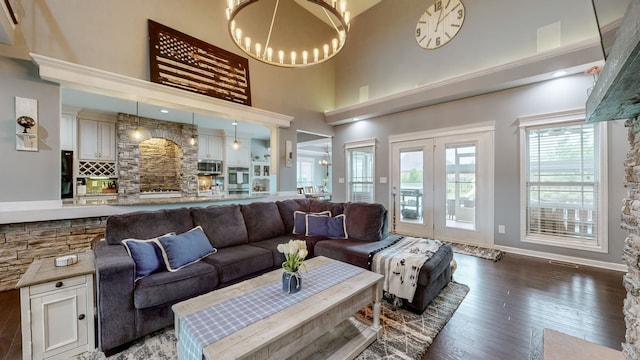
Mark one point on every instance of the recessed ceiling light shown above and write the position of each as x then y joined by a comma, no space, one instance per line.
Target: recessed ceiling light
559,73
164,111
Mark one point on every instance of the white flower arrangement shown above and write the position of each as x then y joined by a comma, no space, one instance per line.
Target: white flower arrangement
295,251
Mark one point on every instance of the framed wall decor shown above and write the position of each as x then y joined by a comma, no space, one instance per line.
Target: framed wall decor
184,62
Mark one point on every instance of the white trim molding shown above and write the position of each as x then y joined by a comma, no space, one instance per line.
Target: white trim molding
563,258
448,131
601,244
84,78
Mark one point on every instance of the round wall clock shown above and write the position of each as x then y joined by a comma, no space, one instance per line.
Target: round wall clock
439,23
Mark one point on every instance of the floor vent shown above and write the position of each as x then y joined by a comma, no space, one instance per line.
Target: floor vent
565,264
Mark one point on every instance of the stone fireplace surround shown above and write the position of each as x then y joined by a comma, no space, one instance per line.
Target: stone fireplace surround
129,170
631,252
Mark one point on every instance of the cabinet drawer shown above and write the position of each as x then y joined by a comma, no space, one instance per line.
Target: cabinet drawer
57,285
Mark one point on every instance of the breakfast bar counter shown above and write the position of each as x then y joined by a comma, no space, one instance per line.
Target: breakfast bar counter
95,206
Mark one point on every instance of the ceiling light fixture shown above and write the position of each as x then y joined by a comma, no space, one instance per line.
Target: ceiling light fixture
236,144
194,138
137,134
325,44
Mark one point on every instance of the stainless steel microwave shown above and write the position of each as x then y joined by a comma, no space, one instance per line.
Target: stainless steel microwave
209,167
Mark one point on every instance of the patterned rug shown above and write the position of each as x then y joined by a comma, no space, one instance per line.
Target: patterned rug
477,251
405,335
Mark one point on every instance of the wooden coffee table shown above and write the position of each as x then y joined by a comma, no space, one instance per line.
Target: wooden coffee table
320,326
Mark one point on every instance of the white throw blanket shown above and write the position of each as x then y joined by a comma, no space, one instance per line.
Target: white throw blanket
401,263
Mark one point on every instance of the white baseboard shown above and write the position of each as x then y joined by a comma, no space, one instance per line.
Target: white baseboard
563,258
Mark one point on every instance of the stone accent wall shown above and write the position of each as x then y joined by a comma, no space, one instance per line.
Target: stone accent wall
631,252
160,164
22,243
129,171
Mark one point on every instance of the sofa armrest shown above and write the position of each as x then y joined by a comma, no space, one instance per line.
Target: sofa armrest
115,271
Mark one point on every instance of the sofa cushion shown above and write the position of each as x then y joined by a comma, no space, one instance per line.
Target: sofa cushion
166,287
320,205
326,226
147,224
146,254
354,252
367,222
272,246
223,224
263,220
236,262
184,249
287,208
300,220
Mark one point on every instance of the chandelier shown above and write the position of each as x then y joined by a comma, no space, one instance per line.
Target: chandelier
283,37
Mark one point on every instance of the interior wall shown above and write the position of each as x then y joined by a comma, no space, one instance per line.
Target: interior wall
504,108
383,55
29,176
112,36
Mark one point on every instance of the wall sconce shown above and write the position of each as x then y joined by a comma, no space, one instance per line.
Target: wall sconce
288,154
26,124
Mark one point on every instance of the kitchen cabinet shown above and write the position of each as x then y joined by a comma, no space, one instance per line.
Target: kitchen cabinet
68,132
210,147
262,182
240,156
56,306
97,140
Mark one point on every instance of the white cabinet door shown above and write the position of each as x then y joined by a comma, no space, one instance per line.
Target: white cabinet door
216,146
106,141
239,156
67,132
88,130
59,322
210,147
97,140
203,146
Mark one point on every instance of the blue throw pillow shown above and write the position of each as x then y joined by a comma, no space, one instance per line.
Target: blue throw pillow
184,249
300,220
146,256
331,227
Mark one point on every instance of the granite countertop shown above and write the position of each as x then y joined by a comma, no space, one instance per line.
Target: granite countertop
96,206
93,201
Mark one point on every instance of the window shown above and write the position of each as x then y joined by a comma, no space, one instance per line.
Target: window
563,185
360,171
304,170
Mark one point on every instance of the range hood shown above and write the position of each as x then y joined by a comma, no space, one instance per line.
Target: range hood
616,94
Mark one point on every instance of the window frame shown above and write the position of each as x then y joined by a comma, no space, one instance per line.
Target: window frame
356,145
600,241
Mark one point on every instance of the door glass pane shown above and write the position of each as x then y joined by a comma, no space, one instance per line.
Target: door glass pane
411,186
461,186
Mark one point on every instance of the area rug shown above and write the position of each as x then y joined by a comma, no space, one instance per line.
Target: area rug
405,335
477,251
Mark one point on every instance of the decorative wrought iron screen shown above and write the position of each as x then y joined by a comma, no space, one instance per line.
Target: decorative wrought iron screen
187,63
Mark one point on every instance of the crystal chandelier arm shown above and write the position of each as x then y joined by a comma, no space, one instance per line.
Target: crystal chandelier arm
273,19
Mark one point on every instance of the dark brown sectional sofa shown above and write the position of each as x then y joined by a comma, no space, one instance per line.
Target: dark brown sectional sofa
246,239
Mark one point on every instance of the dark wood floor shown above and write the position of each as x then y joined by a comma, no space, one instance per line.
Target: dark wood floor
518,296
509,300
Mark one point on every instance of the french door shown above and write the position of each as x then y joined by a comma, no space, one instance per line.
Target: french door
442,187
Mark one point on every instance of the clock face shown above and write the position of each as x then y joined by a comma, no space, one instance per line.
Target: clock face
439,23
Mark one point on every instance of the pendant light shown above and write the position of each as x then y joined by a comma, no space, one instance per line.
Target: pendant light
194,138
137,134
235,145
